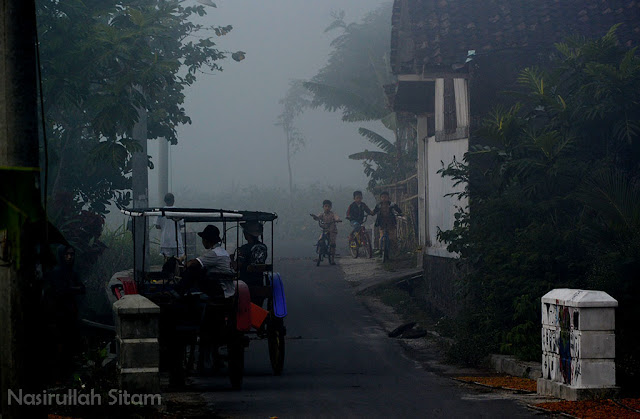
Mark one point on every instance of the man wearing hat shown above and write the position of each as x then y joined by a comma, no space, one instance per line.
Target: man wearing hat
253,252
212,271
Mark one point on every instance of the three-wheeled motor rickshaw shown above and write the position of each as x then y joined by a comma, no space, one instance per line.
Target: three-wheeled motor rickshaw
198,332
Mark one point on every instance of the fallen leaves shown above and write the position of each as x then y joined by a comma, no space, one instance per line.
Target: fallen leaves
596,409
506,382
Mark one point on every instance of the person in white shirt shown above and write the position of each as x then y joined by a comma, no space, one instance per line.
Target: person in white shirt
211,272
171,241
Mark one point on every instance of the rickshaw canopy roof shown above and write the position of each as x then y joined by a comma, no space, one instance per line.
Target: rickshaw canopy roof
196,215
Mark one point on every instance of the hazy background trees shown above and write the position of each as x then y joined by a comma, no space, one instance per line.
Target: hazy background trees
100,62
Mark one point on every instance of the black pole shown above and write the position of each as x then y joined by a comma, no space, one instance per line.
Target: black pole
21,331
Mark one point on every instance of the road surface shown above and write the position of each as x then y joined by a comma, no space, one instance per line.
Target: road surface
340,363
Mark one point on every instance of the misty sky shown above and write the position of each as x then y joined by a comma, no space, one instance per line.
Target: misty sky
233,136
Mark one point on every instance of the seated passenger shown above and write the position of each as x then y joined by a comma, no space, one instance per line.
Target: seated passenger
212,271
252,253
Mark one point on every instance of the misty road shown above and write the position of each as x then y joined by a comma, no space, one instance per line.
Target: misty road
339,363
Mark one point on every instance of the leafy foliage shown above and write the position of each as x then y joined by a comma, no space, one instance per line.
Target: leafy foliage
394,161
353,82
553,198
102,62
358,68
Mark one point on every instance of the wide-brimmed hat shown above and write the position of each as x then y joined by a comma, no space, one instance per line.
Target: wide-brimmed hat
210,232
252,227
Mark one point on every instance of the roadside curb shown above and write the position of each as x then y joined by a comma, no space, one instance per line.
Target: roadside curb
506,364
550,412
393,277
513,390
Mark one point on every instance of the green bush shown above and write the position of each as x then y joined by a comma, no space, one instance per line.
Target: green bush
117,256
554,200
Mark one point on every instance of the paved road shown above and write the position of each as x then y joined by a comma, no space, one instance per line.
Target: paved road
340,363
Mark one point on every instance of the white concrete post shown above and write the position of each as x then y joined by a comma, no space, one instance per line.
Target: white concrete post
578,344
137,329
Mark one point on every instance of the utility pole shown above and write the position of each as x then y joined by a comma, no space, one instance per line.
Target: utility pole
20,207
140,190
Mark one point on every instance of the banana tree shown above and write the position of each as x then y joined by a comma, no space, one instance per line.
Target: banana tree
393,161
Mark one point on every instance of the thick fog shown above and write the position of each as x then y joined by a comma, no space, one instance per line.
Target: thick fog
232,141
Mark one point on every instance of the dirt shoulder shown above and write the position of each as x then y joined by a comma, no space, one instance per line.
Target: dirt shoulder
382,289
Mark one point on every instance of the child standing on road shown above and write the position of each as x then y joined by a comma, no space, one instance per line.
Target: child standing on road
329,219
356,213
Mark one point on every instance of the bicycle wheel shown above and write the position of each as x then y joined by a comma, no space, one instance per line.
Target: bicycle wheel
353,247
319,259
331,259
384,247
366,244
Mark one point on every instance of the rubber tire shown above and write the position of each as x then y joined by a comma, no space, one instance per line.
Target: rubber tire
385,249
235,350
275,339
178,373
331,259
319,259
367,245
353,249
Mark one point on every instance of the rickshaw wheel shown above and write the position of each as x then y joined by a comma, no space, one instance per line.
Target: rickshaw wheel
235,349
275,338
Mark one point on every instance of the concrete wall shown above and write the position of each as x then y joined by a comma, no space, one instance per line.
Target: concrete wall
441,275
578,344
441,208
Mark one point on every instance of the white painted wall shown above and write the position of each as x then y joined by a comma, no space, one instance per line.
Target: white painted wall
434,209
441,209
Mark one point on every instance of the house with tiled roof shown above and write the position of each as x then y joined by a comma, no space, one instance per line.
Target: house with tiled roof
452,58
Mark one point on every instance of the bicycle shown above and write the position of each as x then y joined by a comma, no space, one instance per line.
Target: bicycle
385,245
360,239
385,241
323,248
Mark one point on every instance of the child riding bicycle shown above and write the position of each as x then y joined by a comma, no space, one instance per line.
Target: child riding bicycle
386,220
329,220
356,213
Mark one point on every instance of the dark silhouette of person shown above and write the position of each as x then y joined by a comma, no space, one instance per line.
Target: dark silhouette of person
62,285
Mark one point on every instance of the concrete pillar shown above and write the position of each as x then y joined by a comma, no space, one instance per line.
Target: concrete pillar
140,191
137,330
163,170
578,345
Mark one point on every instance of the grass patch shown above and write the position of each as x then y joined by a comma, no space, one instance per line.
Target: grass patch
403,303
405,260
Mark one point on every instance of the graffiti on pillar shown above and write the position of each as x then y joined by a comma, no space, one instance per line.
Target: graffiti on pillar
578,342
564,344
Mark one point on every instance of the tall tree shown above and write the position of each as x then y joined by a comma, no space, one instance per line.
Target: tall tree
353,82
295,101
357,70
97,57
